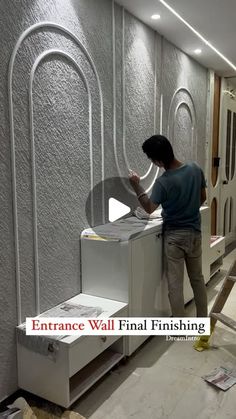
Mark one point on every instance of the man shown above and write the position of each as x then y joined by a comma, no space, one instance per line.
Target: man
180,191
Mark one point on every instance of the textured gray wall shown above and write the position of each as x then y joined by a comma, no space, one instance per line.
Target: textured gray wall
71,155
184,87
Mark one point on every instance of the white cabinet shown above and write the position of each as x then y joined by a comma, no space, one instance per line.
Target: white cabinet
61,372
123,261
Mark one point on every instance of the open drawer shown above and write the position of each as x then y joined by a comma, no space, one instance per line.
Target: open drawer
217,248
77,361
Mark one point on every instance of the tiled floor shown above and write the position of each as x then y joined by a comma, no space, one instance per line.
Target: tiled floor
163,379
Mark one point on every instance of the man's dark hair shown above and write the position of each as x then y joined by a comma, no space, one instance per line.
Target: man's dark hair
159,148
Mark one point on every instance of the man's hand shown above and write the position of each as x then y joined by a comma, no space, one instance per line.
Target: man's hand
149,206
134,178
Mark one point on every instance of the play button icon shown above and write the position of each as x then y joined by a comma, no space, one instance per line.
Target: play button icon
117,209
110,201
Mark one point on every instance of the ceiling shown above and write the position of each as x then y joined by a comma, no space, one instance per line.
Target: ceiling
215,20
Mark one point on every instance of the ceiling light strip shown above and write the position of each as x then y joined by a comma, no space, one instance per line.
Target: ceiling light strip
198,34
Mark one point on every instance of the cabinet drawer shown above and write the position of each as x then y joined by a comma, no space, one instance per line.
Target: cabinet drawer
217,249
86,349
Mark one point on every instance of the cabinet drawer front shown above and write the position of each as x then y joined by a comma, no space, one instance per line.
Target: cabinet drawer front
86,349
217,249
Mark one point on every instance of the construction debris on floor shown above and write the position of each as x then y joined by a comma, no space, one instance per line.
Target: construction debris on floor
20,409
222,377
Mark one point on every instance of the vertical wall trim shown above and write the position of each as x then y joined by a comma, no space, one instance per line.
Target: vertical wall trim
34,189
221,150
123,88
155,82
231,144
114,84
161,113
114,75
209,128
161,87
14,193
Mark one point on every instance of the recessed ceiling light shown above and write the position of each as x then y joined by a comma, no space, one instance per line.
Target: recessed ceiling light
155,17
198,51
198,34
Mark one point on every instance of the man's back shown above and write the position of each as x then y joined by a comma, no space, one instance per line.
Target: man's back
179,193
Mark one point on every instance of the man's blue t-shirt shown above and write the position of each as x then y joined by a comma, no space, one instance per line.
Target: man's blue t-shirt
179,193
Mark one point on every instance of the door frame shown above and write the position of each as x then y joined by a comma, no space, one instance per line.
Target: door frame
227,187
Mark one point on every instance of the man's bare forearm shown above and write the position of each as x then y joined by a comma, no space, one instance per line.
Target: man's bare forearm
144,200
141,194
138,189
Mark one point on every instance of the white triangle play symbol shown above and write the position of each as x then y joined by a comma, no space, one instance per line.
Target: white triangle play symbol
117,209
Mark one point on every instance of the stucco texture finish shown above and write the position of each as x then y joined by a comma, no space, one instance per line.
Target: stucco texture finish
79,126
184,86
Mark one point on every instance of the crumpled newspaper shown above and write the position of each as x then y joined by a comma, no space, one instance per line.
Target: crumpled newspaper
20,409
140,213
222,377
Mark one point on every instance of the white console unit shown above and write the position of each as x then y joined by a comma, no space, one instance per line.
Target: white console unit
122,275
63,368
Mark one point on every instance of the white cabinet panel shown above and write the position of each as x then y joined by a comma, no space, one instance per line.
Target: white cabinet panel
206,235
128,269
105,268
146,274
146,284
